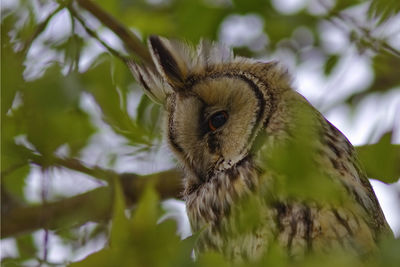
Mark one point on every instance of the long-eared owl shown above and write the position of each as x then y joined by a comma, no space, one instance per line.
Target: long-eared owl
230,121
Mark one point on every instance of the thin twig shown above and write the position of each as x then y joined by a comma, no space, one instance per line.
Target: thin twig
132,43
74,164
44,194
364,34
95,35
40,28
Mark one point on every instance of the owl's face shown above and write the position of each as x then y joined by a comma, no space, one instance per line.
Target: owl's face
211,128
216,104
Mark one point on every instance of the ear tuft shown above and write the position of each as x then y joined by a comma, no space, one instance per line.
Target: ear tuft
153,84
167,61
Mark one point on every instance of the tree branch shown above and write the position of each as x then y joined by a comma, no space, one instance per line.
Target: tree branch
40,28
95,205
362,34
94,34
132,43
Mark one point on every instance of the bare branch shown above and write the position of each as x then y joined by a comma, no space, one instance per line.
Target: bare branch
91,206
95,205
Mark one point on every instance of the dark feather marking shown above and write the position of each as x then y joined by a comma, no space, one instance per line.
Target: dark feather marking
293,227
213,143
309,226
171,129
335,164
281,210
166,60
216,209
333,147
342,221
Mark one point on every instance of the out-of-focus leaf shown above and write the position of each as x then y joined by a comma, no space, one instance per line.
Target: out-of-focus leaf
197,14
52,115
111,6
212,259
300,175
385,77
11,68
27,23
141,241
244,6
12,155
14,182
389,253
26,247
279,27
122,78
330,64
340,5
383,9
120,231
148,116
381,160
150,20
98,82
71,48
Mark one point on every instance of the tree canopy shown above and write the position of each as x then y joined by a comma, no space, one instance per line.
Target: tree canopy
83,163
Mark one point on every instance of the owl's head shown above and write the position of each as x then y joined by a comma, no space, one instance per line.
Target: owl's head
216,104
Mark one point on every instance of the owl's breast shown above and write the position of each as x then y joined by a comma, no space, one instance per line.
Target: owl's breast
236,217
230,213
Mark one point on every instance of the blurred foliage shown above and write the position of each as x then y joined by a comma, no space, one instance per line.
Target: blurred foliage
384,9
294,162
387,166
49,70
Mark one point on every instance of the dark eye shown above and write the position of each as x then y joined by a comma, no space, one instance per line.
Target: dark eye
217,120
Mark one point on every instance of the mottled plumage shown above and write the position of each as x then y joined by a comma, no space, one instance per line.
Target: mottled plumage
225,116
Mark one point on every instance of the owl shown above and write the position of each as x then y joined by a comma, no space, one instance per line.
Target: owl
228,121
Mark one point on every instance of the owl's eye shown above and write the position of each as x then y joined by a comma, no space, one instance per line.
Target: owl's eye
217,120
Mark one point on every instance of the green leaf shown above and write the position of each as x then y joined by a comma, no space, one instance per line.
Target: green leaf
245,6
300,175
385,77
14,182
389,253
51,114
340,5
26,247
383,9
330,64
196,14
381,160
148,116
121,231
12,156
98,82
11,68
141,240
212,259
147,212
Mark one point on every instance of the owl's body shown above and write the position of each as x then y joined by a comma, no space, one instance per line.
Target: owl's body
227,118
